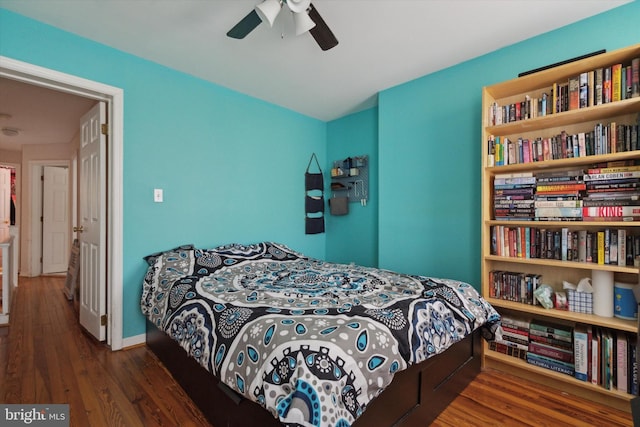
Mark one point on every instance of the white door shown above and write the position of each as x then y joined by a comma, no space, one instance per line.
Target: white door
5,197
55,220
92,228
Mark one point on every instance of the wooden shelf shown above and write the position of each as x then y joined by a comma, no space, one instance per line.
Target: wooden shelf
551,271
572,224
562,163
547,77
570,316
564,264
598,112
519,367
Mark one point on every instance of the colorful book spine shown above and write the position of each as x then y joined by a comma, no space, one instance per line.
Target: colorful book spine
551,352
581,353
611,211
611,175
599,82
613,169
634,383
595,358
616,82
635,77
606,85
551,328
622,376
551,364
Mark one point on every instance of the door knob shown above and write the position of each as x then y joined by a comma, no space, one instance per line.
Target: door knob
78,229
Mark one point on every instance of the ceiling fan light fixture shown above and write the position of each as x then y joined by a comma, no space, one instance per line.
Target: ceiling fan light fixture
303,22
10,132
298,6
268,10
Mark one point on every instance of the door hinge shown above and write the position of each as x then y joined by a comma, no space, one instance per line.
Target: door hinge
103,320
105,129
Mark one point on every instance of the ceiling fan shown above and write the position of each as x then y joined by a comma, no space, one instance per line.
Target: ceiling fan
305,17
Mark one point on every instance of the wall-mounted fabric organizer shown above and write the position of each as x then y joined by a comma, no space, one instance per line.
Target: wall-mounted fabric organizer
350,179
314,198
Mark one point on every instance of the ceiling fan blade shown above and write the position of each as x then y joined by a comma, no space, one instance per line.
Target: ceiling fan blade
321,32
245,26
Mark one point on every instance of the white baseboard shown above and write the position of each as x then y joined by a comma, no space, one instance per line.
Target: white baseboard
134,341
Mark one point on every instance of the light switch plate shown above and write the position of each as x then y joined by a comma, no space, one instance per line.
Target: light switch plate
157,195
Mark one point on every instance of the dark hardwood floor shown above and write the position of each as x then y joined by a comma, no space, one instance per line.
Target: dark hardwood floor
45,357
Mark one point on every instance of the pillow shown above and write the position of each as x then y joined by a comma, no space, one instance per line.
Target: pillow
164,268
151,259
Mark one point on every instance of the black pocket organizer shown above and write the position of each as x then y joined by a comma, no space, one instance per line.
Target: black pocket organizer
314,225
314,199
313,204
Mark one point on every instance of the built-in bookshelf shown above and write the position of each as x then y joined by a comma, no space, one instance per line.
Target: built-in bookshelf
560,172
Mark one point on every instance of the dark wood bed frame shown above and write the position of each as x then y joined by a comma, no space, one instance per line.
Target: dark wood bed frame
415,397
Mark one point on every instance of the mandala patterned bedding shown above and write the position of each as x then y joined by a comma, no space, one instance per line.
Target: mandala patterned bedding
311,341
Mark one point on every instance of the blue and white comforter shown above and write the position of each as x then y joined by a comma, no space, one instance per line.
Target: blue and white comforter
311,341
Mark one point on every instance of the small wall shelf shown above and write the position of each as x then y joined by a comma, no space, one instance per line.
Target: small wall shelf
350,178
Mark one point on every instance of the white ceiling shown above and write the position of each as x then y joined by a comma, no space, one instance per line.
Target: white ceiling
382,43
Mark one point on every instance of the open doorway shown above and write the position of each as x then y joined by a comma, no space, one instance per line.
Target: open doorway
11,206
113,98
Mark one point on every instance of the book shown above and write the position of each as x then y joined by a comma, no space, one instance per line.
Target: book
607,359
551,364
634,383
558,212
545,339
513,343
522,181
635,77
516,338
574,93
617,169
626,82
580,350
582,245
600,247
611,175
549,327
516,322
539,203
507,349
613,247
613,201
598,78
595,357
616,82
606,85
556,188
491,151
591,88
611,211
622,247
622,377
552,352
584,90
589,352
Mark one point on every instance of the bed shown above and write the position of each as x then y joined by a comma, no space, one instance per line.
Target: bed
264,335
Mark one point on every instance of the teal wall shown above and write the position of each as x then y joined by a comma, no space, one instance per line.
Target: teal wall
430,147
232,167
354,237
